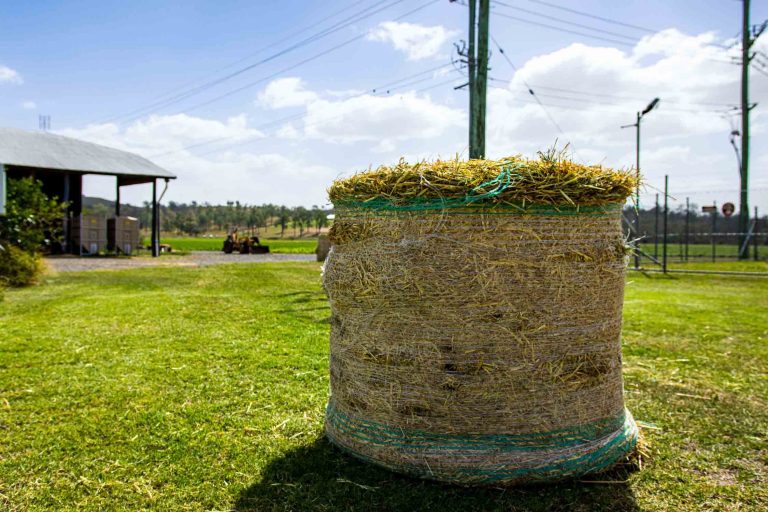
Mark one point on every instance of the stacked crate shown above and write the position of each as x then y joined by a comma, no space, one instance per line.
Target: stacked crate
89,234
123,235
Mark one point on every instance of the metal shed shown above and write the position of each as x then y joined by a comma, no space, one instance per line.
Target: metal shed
60,163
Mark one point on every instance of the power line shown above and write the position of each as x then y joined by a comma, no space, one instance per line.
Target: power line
326,119
614,96
593,16
186,85
530,90
346,22
619,109
298,64
392,85
426,71
560,20
760,70
582,34
596,102
283,70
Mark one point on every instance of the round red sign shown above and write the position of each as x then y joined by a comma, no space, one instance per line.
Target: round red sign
728,209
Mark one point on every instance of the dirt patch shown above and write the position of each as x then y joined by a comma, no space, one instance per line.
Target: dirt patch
195,259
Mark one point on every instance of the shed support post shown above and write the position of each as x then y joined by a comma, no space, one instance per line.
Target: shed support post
155,223
117,195
2,189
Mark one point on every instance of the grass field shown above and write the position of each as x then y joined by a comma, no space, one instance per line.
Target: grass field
696,252
279,245
204,389
701,251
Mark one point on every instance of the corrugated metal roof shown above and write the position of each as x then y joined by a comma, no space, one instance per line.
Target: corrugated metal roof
49,151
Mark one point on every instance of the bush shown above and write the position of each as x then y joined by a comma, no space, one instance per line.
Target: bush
31,217
17,267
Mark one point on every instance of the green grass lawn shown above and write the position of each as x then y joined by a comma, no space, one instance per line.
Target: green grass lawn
204,389
279,245
701,252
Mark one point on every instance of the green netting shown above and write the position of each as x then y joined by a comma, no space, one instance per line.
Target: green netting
481,199
578,450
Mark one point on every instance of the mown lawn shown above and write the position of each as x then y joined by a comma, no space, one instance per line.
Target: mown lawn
700,251
204,389
279,245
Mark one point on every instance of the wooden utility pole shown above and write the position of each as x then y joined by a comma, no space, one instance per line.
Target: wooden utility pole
472,68
746,43
478,75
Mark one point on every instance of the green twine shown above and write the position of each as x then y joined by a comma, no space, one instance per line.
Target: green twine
478,200
411,443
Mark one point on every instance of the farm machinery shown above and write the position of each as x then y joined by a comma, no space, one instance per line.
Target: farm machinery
243,244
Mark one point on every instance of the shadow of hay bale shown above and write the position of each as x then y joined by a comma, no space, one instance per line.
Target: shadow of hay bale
306,305
320,477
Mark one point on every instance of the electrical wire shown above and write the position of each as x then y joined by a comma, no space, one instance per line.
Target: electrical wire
185,86
530,90
390,86
426,71
760,70
568,31
346,22
566,22
326,119
596,102
593,16
296,65
596,108
613,96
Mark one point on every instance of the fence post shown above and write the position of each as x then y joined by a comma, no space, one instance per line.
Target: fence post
714,227
666,214
755,236
687,225
656,229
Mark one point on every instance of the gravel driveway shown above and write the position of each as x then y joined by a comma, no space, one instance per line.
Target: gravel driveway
194,259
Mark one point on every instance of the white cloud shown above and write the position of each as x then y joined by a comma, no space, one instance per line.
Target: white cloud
160,134
217,172
28,105
379,118
331,117
288,131
591,91
10,76
416,41
285,92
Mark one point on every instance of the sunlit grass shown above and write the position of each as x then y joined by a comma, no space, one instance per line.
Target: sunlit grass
204,389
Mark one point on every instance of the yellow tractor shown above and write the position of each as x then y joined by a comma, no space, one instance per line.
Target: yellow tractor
243,244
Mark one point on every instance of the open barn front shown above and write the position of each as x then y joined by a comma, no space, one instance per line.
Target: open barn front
60,163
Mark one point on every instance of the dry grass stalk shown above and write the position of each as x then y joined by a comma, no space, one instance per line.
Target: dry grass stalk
552,179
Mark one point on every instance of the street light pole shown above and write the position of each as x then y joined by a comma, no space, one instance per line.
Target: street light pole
637,188
636,125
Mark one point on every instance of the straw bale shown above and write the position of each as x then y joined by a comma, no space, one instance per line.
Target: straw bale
477,345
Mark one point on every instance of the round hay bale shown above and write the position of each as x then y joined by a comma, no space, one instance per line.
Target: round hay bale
476,319
323,247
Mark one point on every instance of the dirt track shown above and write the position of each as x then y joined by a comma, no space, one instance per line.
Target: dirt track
194,259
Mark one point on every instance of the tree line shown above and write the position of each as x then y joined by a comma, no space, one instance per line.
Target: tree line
196,219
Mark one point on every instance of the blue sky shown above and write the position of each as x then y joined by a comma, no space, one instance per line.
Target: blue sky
88,64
